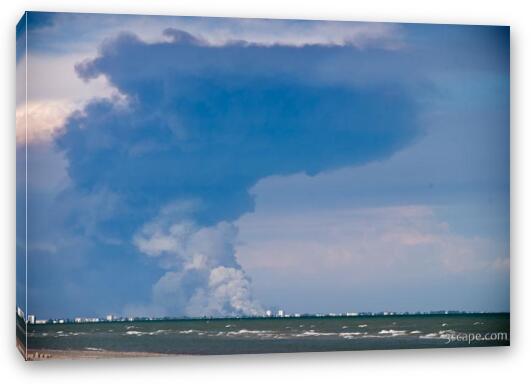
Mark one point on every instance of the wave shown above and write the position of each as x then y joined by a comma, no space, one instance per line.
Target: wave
62,334
313,333
140,333
137,333
351,335
247,332
442,334
429,336
392,332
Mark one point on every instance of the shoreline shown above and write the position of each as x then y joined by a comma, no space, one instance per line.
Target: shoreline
58,354
33,354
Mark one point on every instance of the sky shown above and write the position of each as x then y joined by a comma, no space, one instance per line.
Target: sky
191,166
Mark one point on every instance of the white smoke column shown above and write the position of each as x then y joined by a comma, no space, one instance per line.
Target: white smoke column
228,294
203,277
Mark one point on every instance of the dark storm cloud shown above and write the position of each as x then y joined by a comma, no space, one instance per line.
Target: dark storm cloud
208,122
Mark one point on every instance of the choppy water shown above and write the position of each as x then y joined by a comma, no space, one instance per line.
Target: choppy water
232,336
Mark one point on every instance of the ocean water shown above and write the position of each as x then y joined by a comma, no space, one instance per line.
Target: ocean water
235,336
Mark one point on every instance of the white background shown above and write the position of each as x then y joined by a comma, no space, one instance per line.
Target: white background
487,364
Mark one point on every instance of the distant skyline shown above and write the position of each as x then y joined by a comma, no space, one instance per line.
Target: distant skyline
189,166
34,319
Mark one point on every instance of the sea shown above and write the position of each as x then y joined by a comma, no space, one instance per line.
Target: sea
274,335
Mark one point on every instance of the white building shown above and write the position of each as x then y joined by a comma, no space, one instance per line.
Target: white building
108,318
269,313
20,312
77,320
280,313
31,319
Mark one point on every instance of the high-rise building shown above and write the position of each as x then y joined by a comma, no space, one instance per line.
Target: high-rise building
108,317
280,313
31,319
20,312
269,313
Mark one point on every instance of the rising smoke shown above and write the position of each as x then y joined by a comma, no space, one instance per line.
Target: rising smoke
204,277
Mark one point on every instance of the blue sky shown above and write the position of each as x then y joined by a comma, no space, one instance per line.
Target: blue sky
212,166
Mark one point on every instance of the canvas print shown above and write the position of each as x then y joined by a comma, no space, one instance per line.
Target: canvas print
197,185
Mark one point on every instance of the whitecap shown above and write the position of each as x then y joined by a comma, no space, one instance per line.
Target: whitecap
350,335
446,331
188,331
313,333
429,336
246,331
391,332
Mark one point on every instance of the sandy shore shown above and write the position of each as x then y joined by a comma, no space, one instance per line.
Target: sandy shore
52,354
56,354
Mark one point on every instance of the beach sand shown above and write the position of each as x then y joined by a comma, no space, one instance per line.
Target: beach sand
55,354
52,354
